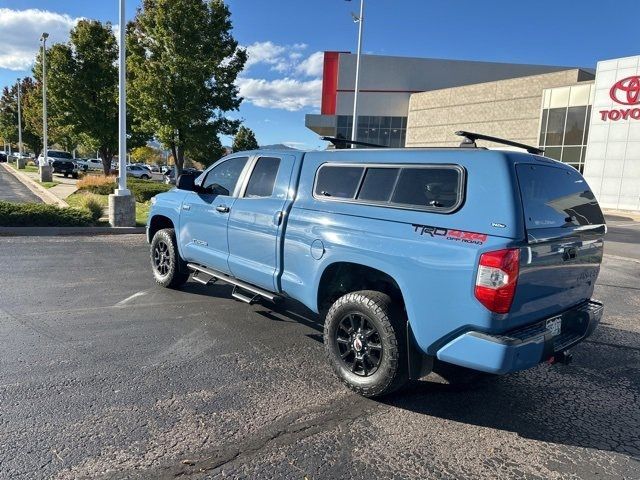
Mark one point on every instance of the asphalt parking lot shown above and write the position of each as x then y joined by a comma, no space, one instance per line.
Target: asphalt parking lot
105,375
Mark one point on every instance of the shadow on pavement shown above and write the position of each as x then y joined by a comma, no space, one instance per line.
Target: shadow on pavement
592,403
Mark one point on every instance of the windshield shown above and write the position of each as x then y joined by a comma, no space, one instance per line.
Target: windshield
59,154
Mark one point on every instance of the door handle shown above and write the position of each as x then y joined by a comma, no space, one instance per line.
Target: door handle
186,207
277,218
222,209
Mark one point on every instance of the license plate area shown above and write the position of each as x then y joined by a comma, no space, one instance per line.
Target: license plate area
554,326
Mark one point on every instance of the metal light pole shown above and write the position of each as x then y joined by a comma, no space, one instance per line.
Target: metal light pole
360,20
122,205
19,122
122,104
45,168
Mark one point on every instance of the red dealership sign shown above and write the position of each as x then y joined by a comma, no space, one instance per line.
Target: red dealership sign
624,92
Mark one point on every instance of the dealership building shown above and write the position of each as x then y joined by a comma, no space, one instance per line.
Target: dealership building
587,118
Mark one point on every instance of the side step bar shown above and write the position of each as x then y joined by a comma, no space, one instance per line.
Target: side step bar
238,284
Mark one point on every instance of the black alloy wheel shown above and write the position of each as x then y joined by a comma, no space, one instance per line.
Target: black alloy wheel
359,344
161,258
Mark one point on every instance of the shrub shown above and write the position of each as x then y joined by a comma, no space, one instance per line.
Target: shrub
92,203
39,215
98,184
143,190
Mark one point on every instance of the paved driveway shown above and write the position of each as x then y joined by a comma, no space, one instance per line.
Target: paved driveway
104,375
11,190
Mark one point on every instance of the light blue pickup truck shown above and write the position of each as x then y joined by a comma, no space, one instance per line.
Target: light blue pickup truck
414,257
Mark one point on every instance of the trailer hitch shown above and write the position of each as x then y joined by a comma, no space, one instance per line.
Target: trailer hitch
565,358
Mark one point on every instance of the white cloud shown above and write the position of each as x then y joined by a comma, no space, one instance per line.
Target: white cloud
281,57
312,65
21,31
286,93
300,87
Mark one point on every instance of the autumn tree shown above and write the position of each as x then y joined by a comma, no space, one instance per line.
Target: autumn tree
31,132
183,62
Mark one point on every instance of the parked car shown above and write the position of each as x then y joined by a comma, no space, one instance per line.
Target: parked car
61,162
138,171
81,165
416,259
3,157
170,178
94,164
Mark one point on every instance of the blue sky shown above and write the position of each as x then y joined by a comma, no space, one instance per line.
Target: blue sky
282,83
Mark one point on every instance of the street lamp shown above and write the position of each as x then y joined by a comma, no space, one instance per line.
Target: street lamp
45,168
122,206
20,159
359,19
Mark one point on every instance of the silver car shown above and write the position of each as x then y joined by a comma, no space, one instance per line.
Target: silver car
138,171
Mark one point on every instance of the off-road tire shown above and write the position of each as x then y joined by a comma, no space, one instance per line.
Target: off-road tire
390,322
174,272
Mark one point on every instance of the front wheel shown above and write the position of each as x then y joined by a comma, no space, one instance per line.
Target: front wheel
364,338
169,270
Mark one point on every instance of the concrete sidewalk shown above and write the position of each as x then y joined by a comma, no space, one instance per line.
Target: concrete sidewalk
35,187
66,187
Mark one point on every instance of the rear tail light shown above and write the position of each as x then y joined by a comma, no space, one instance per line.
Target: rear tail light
497,278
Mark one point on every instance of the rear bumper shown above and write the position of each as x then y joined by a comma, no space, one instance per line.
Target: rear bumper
523,347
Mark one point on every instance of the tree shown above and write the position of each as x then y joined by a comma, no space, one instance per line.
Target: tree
9,114
147,155
83,90
245,139
31,131
182,64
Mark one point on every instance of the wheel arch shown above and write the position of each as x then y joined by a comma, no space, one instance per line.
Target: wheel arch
158,222
341,277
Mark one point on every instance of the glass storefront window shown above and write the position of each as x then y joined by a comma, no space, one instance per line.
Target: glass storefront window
555,126
388,131
574,130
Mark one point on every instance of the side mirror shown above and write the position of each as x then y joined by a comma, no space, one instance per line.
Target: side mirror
186,181
218,189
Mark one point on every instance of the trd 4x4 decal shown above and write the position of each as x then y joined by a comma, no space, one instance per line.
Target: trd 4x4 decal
452,235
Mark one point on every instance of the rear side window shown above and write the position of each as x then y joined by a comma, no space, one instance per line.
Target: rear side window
556,197
378,184
338,181
263,178
425,187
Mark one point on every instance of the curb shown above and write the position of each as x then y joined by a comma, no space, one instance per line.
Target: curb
54,231
37,189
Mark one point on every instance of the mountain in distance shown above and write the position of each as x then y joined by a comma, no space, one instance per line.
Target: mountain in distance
276,146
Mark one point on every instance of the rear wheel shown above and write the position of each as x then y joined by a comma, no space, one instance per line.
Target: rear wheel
365,343
145,177
169,270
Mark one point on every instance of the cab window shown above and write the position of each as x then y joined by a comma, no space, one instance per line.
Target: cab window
263,178
226,174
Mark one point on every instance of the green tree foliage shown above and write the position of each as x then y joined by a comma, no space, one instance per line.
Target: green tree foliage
32,115
245,139
183,62
82,82
31,136
82,86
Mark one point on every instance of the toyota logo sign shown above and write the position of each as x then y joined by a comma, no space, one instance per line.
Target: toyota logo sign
626,91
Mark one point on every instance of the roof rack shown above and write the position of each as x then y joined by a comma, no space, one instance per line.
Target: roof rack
470,141
343,143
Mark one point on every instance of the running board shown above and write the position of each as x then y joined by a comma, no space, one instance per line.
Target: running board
239,284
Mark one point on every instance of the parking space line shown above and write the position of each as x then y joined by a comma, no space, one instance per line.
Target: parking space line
128,299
